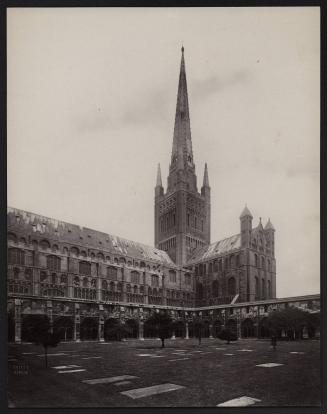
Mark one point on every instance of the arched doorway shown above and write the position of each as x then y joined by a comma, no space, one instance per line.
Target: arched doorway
206,329
133,326
190,329
232,325
217,327
110,329
89,329
31,324
149,330
65,326
11,328
248,330
264,328
179,329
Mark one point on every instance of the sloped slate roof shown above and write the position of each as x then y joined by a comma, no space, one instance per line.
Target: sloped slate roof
215,249
30,223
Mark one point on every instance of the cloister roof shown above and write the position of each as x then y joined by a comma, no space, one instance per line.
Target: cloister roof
215,249
30,223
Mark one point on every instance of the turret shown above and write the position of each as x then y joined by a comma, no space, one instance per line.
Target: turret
246,227
270,236
159,188
205,189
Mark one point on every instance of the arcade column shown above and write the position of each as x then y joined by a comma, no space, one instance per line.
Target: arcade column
101,324
18,321
186,331
76,323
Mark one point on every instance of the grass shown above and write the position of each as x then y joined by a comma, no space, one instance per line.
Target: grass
209,378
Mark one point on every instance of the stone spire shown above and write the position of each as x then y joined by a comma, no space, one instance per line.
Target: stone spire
246,212
182,154
159,181
206,176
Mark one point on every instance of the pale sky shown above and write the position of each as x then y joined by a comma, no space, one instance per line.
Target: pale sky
91,105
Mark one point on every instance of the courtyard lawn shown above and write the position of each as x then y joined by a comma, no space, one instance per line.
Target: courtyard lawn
185,376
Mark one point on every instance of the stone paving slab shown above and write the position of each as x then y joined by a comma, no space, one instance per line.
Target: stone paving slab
239,402
122,383
109,379
269,365
153,390
71,371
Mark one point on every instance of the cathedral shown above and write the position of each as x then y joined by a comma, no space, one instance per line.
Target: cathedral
84,280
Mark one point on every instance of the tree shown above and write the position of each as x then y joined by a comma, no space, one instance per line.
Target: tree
162,323
292,320
313,322
198,327
117,330
39,330
227,335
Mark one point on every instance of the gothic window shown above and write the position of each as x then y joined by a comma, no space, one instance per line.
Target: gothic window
135,290
128,288
16,256
263,263
63,279
83,253
54,279
53,262
112,287
112,272
149,291
237,260
263,293
104,285
142,266
154,280
44,244
12,237
43,276
16,273
172,276
85,268
215,288
231,286
255,260
215,266
93,283
116,260
74,251
76,281
226,262
187,279
28,274
85,282
256,288
199,290
269,289
210,267
232,261
135,277
100,256
195,222
142,290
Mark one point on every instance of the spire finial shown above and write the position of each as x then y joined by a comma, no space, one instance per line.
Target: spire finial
206,176
182,49
159,181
